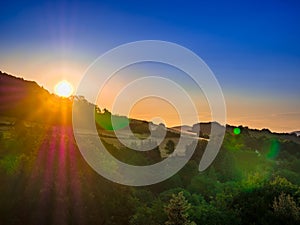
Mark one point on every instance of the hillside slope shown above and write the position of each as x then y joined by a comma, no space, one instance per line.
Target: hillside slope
27,100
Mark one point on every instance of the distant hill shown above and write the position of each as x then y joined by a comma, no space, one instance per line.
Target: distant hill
205,128
297,133
185,129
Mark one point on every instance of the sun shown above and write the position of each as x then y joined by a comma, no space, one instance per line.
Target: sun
63,89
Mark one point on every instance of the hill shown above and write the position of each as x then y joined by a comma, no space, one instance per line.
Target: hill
297,133
205,128
26,100
255,178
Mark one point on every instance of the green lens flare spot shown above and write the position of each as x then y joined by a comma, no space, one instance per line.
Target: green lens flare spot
236,131
111,122
274,149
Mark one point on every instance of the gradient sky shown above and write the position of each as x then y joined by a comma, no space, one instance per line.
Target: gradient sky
253,47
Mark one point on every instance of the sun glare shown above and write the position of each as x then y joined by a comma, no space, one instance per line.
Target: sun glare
63,89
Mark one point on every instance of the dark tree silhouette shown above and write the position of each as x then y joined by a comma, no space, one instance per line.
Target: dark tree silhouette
170,146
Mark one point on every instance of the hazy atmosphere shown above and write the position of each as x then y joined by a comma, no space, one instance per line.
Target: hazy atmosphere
252,47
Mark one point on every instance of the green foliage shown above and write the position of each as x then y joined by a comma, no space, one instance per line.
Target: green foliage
110,122
254,205
177,210
253,181
290,175
151,215
286,209
206,184
45,180
227,166
10,164
189,171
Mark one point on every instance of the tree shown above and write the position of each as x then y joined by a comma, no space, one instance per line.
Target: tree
286,209
150,215
170,146
177,210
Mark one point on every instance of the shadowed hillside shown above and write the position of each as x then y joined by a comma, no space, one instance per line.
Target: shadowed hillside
26,100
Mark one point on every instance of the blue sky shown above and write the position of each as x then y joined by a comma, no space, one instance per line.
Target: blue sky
253,47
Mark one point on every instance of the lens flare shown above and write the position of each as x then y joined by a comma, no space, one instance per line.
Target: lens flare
274,149
236,131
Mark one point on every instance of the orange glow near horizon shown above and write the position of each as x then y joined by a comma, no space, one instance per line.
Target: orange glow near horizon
254,111
156,110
